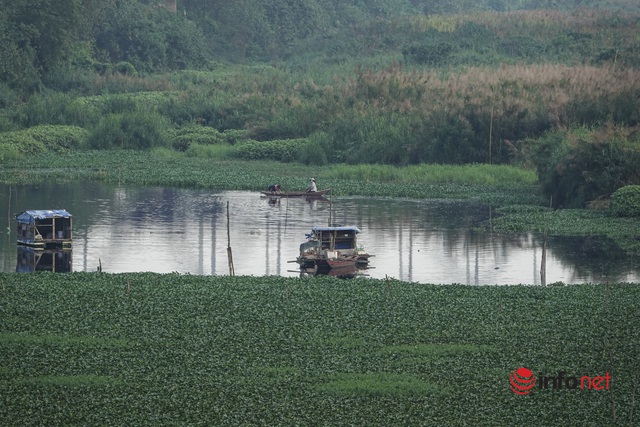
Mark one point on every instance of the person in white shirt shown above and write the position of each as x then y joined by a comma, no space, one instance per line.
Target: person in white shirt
312,187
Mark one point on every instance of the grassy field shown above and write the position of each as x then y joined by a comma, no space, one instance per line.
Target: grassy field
149,349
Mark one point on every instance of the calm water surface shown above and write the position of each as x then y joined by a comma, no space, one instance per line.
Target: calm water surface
175,230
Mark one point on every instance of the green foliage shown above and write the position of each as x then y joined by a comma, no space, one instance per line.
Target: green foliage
230,351
315,151
579,166
196,134
619,231
377,384
35,39
126,68
42,138
138,37
472,174
284,150
234,136
497,185
8,151
440,48
139,130
58,138
217,151
626,201
46,107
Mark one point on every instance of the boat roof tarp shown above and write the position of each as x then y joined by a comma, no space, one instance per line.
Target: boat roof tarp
342,228
29,216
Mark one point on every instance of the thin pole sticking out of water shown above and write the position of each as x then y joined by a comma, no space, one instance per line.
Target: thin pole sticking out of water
543,262
229,253
9,213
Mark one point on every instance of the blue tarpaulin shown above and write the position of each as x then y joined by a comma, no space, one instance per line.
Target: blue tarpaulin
27,217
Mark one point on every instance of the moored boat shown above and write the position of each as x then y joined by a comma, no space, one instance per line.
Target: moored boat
45,228
333,247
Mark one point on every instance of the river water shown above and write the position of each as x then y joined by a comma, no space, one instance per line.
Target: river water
133,229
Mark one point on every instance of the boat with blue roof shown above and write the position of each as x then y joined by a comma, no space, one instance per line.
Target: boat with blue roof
52,228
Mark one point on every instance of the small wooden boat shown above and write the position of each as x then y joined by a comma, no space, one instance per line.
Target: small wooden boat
308,194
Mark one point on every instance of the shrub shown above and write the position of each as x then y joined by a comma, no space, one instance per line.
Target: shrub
42,138
314,152
283,150
139,130
196,134
21,142
124,67
8,152
579,166
217,151
626,201
233,136
47,107
58,138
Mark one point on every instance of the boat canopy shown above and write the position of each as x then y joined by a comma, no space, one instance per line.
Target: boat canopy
341,228
28,217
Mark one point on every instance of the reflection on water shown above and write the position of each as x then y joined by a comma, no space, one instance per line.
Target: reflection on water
55,260
166,230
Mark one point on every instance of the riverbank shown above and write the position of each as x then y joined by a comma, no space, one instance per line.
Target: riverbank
513,191
151,349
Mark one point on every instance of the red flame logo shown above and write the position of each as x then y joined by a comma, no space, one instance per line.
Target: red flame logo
522,381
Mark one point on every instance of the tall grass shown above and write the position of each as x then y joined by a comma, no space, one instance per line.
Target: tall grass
481,174
215,151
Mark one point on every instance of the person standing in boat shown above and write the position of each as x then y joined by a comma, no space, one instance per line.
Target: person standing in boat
312,188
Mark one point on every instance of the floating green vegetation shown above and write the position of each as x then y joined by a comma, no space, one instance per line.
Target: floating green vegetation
625,232
436,350
492,184
69,381
242,350
379,384
44,340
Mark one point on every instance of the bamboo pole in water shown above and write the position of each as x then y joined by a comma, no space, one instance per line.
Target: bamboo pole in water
543,266
543,262
229,253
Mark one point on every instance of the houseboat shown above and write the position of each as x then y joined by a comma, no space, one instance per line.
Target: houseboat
332,247
45,228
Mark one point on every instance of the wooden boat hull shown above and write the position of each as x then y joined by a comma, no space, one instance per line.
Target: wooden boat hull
338,263
312,195
324,263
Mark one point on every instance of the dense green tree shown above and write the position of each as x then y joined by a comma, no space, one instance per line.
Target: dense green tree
35,39
579,166
149,37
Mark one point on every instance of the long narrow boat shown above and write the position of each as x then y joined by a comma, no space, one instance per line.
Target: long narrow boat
309,194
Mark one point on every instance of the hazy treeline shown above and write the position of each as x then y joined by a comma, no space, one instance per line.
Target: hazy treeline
323,81
46,44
